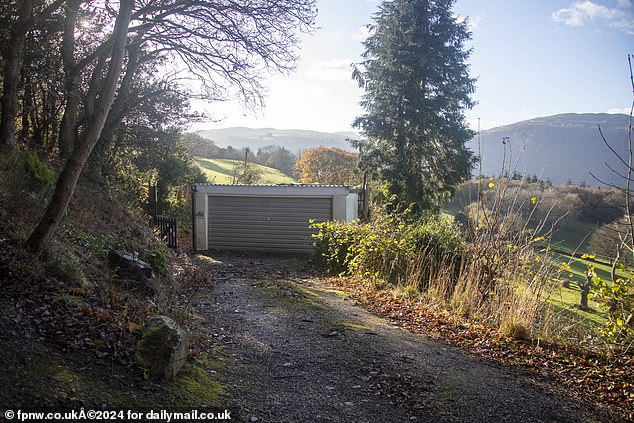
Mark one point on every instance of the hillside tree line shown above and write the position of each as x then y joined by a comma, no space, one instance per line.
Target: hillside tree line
274,156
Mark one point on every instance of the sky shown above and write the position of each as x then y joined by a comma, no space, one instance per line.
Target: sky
530,58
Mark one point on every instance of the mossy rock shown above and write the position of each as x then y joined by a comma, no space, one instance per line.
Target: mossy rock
163,347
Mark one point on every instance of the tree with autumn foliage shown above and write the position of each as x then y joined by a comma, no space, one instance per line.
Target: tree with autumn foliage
327,165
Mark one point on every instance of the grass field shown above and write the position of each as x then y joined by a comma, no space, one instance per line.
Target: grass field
566,300
220,171
574,237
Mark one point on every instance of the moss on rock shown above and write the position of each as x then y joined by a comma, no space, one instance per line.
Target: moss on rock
163,348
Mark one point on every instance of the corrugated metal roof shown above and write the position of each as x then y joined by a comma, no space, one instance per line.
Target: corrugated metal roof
272,189
277,185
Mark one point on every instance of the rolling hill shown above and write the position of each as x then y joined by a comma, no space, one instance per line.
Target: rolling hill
562,148
566,147
220,171
294,140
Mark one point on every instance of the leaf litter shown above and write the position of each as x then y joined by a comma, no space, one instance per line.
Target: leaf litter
584,374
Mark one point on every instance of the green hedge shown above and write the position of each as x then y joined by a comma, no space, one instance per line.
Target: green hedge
386,248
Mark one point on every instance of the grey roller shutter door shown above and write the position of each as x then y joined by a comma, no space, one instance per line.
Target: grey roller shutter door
265,223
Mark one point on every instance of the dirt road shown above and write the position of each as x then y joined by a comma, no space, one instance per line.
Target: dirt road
302,352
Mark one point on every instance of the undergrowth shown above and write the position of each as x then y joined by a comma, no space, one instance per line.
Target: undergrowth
69,288
494,267
385,249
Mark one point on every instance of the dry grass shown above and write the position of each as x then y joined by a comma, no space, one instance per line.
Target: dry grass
502,279
512,298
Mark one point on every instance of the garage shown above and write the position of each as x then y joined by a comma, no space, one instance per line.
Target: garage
273,218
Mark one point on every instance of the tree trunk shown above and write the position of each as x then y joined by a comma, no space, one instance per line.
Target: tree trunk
69,119
27,112
12,65
585,290
67,180
72,80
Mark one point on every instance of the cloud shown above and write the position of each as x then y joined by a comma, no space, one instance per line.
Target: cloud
579,13
616,110
331,70
362,33
474,22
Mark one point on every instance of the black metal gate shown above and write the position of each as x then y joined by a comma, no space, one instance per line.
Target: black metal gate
167,230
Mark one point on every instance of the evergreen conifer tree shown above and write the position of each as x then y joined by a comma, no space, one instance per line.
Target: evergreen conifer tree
417,86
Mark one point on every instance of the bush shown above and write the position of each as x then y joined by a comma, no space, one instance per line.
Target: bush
101,243
499,277
334,242
39,174
156,257
386,248
65,268
617,299
514,330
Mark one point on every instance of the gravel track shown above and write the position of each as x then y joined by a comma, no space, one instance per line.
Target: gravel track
303,352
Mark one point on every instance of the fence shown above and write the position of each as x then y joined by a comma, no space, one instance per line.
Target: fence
167,230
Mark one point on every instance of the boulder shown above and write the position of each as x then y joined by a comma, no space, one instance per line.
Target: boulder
129,266
163,347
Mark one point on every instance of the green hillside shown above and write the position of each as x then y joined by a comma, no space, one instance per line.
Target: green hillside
220,171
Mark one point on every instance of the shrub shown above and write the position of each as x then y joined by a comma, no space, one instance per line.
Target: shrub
514,330
101,243
499,277
333,243
39,174
617,299
388,247
156,257
65,268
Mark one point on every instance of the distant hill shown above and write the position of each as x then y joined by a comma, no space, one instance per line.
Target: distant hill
294,140
565,147
560,147
220,171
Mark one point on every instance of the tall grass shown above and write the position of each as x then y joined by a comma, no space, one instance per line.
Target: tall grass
508,279
502,285
490,269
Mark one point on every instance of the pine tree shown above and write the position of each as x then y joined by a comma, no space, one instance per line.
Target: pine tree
417,85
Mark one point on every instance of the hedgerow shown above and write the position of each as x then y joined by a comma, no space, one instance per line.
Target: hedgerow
386,248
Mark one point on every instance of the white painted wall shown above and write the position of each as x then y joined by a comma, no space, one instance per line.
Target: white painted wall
200,220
